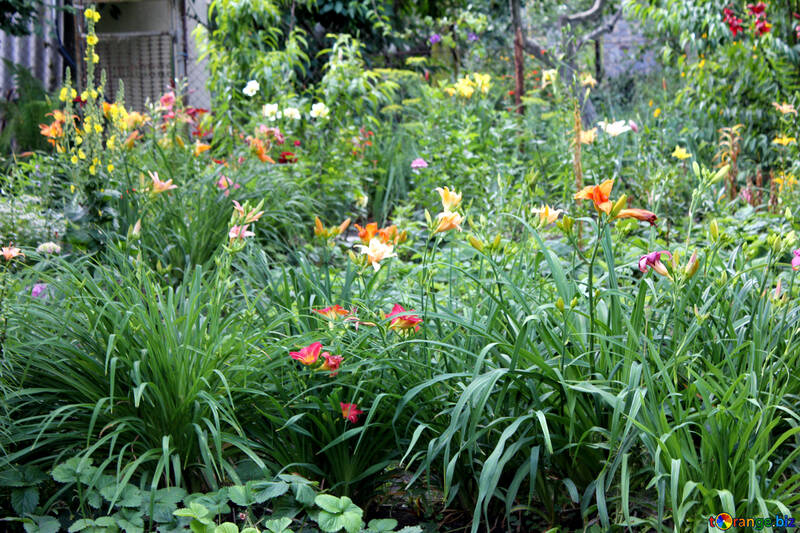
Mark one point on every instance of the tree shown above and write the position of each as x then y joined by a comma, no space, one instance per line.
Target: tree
572,39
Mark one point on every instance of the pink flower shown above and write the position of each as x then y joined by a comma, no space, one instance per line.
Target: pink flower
419,163
350,411
167,100
796,260
633,126
309,354
38,290
402,319
239,232
332,363
653,259
297,143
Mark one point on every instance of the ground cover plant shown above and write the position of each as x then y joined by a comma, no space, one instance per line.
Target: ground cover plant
375,292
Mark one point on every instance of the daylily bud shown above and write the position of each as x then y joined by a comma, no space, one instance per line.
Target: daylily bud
137,229
713,230
476,243
319,230
618,206
722,280
696,168
560,304
720,174
788,214
573,302
496,242
691,267
428,218
566,224
700,317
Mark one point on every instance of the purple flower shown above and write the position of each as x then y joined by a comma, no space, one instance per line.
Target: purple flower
653,260
796,260
419,163
471,36
746,195
633,126
38,290
435,38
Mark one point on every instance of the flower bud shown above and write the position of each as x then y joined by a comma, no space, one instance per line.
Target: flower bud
618,206
567,223
136,230
696,168
573,302
496,242
691,267
560,304
476,243
713,230
720,174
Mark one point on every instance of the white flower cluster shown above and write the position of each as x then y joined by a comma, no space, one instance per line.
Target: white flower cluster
24,221
272,112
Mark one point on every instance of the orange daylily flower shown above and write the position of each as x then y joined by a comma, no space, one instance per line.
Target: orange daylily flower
450,199
366,234
449,221
599,195
199,148
10,252
333,231
132,138
160,186
639,214
331,313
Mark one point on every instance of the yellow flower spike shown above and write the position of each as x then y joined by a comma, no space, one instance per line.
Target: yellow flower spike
91,39
657,112
110,168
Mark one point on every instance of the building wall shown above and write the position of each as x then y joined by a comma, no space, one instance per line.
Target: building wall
38,53
145,43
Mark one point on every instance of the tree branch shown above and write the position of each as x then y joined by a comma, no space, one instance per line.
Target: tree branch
584,16
530,46
597,32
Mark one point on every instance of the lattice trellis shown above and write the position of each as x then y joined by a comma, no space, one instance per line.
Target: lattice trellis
143,61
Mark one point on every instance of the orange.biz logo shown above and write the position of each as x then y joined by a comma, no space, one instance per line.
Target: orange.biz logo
724,521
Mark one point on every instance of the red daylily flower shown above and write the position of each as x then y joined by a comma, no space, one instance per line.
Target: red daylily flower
350,411
287,157
332,363
309,354
402,319
331,313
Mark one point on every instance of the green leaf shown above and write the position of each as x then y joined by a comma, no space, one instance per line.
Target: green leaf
130,520
380,525
227,527
241,495
328,503
277,525
269,489
42,524
303,493
24,501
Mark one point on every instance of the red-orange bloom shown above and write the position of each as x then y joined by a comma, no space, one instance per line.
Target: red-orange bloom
366,234
599,195
639,214
331,313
